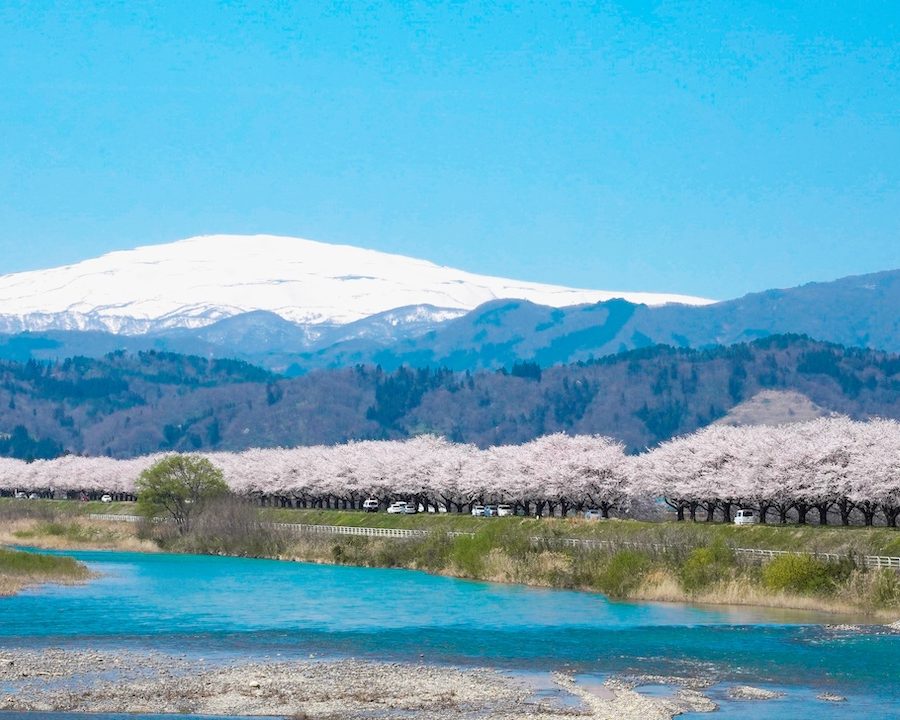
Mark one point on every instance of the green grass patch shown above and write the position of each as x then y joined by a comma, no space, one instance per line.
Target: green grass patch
35,565
11,507
804,575
706,566
810,538
622,573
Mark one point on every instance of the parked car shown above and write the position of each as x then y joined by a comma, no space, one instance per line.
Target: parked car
106,498
478,510
593,514
22,496
34,496
745,517
370,505
490,511
411,508
504,510
397,508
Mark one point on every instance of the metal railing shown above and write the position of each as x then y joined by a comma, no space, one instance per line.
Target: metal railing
311,529
873,561
348,530
113,517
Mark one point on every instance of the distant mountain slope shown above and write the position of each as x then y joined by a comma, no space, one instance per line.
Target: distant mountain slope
131,404
195,282
773,407
861,311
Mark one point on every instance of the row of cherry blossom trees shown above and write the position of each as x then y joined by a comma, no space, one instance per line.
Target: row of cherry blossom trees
829,468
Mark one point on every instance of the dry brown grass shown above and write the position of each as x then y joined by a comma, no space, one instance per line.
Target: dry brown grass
78,533
10,585
663,586
547,569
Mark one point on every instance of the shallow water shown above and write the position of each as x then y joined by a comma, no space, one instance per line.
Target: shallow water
213,607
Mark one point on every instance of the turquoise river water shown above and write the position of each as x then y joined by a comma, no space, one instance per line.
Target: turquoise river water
212,606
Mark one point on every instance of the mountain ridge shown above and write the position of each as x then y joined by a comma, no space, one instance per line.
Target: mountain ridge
197,281
859,311
123,405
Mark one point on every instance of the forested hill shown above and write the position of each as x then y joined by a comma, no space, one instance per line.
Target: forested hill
124,405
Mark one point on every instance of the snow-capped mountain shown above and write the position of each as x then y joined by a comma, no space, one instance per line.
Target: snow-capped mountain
201,280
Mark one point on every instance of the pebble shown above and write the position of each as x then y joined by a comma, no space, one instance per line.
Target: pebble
348,689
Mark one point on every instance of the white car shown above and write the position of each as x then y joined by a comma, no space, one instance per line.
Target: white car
504,510
478,510
370,505
745,517
106,499
593,514
21,496
397,508
411,508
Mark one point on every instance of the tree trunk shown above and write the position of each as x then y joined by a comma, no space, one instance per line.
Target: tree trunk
726,511
868,515
845,507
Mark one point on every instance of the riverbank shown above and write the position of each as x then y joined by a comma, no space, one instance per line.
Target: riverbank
128,682
661,561
19,570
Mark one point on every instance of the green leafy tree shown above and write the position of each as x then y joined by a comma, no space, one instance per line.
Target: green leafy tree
179,486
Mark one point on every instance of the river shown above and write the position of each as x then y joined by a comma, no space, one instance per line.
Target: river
211,606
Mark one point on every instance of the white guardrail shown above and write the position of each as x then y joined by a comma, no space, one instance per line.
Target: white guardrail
310,529
873,561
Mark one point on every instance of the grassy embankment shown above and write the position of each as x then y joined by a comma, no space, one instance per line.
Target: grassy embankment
698,563
62,524
21,569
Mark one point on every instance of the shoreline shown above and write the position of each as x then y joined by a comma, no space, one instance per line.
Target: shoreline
20,571
12,586
657,586
121,681
805,615
808,608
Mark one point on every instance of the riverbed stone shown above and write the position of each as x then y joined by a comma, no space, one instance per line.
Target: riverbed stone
831,697
747,692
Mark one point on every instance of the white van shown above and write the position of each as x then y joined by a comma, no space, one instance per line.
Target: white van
745,517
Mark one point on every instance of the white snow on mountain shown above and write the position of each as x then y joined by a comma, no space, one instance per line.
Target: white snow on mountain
197,281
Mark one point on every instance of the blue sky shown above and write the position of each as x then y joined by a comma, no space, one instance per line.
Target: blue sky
705,148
